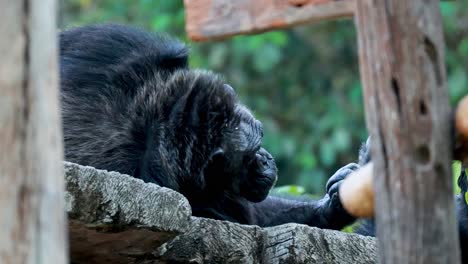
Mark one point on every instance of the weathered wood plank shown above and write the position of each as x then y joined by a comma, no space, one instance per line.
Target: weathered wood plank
31,176
401,49
116,218
214,19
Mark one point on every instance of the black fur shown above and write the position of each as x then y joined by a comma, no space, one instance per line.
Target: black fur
462,214
130,104
367,227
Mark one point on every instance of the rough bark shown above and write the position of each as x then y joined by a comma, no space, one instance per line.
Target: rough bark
31,175
406,99
215,19
211,241
100,197
118,219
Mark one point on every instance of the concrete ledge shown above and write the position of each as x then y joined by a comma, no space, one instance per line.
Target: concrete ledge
115,218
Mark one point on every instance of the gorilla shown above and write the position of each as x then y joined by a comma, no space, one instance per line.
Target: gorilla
131,104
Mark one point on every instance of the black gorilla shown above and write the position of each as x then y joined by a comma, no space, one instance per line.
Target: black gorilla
130,104
367,227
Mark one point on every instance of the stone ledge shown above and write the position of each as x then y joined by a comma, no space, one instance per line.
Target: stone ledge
115,218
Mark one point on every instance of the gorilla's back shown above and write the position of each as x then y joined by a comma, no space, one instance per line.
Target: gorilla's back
103,73
130,104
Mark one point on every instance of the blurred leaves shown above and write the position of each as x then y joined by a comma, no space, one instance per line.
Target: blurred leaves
290,190
302,83
456,170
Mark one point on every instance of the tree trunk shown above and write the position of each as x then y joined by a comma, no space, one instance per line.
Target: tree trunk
406,99
31,174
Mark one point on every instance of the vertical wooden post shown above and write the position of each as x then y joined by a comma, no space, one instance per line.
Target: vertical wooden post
32,222
406,98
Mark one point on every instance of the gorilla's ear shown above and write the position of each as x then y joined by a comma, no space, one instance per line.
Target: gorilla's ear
224,98
229,90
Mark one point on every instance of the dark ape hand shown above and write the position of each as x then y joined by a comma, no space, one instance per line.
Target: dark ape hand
333,210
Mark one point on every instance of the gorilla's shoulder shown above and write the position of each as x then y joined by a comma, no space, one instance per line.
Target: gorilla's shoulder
123,41
114,49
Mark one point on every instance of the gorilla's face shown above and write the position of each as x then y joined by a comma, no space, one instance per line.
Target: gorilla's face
260,177
246,169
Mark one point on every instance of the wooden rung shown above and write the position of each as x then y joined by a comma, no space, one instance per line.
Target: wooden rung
216,19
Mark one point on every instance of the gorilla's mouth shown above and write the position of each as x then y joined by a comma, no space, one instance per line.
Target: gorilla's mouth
258,190
261,177
248,174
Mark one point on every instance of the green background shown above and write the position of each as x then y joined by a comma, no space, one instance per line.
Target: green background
302,83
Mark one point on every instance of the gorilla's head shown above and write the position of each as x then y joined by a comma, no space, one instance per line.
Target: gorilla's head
225,139
246,168
131,104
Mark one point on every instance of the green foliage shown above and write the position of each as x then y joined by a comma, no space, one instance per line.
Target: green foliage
456,169
302,83
290,190
350,228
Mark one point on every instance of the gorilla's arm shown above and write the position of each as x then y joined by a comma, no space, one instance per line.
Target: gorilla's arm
324,213
271,211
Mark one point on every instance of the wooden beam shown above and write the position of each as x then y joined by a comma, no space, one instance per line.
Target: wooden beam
32,222
215,19
401,58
